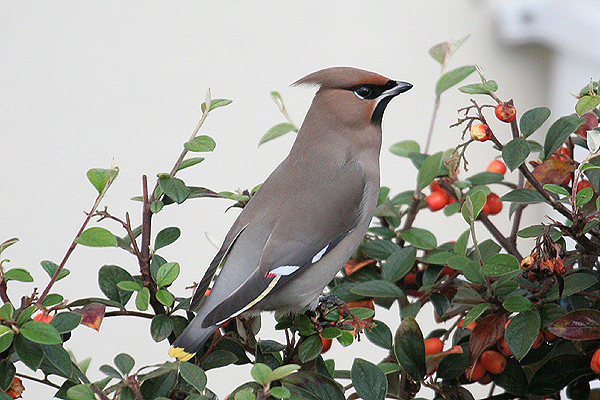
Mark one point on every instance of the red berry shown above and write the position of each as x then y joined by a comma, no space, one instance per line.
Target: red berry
433,346
564,151
492,205
437,200
43,318
497,166
475,373
584,184
493,361
435,187
480,132
15,389
595,363
505,112
326,344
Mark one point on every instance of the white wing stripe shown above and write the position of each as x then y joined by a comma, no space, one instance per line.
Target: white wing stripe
320,254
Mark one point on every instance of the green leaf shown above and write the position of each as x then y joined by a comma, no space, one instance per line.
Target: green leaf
19,274
260,373
97,237
584,196
574,283
409,348
160,327
282,372
130,286
537,230
81,392
190,162
515,153
380,335
124,362
485,178
480,88
527,196
593,141
108,278
558,133
218,359
166,237
200,143
556,189
7,311
420,238
532,119
276,131
51,269
500,264
378,288
40,332
52,299
475,313
279,392
369,380
517,304
316,385
193,375
587,103
452,78
399,264
66,321
429,170
460,247
215,103
558,372
29,352
245,394
164,297
100,177
156,206
6,337
174,188
25,314
310,348
7,373
7,243
473,205
167,273
404,148
521,332
142,299
380,248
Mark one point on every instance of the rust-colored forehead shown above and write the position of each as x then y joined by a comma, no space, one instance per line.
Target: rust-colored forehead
342,78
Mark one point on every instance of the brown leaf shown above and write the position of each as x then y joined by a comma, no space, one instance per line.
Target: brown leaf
552,171
487,332
93,314
354,265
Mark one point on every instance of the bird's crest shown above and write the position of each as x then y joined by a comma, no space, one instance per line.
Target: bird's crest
341,78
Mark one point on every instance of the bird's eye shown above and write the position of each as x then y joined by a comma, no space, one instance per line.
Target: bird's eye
363,91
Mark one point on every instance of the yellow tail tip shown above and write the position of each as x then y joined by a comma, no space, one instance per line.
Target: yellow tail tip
180,353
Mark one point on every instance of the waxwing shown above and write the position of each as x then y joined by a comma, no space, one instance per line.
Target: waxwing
308,217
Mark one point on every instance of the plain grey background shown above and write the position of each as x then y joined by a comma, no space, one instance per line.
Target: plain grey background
83,84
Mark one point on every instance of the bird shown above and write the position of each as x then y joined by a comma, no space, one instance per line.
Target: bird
308,217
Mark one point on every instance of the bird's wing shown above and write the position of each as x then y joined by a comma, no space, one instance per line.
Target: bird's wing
301,236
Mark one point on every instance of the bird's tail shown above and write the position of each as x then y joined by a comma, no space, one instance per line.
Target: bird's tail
191,340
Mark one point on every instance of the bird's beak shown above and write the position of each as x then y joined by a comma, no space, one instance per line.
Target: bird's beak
400,87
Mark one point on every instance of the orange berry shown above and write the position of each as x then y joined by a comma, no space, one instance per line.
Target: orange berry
503,347
505,112
437,200
497,166
595,363
326,344
43,318
548,337
435,187
433,346
480,132
475,373
538,341
470,327
15,389
492,361
565,152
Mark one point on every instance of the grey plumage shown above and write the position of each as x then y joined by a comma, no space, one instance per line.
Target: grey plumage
310,214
